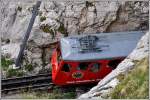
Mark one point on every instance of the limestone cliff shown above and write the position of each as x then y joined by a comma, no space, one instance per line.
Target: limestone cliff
58,19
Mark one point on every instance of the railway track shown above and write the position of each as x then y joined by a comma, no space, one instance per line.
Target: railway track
36,82
41,82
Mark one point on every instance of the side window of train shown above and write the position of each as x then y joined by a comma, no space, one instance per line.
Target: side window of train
95,67
114,63
66,68
82,66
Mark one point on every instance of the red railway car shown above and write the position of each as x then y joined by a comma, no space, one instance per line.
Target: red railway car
89,58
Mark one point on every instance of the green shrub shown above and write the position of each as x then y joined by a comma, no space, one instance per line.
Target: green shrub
11,72
19,8
28,67
62,29
89,4
47,29
20,73
42,18
5,63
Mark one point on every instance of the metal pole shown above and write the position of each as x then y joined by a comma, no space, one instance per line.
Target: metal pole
24,42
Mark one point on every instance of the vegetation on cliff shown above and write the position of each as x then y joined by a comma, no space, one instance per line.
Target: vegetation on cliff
135,84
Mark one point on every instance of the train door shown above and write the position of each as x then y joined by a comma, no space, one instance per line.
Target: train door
56,62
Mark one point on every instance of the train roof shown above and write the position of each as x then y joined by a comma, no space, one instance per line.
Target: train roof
99,46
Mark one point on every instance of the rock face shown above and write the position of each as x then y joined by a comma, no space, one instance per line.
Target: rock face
59,19
110,81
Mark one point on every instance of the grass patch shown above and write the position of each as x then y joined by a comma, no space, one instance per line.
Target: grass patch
135,84
29,67
15,73
5,63
54,94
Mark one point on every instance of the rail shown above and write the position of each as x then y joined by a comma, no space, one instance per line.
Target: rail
41,81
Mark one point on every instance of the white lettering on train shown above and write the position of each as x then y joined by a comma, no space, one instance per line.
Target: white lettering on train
83,81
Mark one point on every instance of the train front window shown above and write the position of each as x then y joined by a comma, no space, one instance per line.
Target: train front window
59,58
82,66
66,68
95,67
